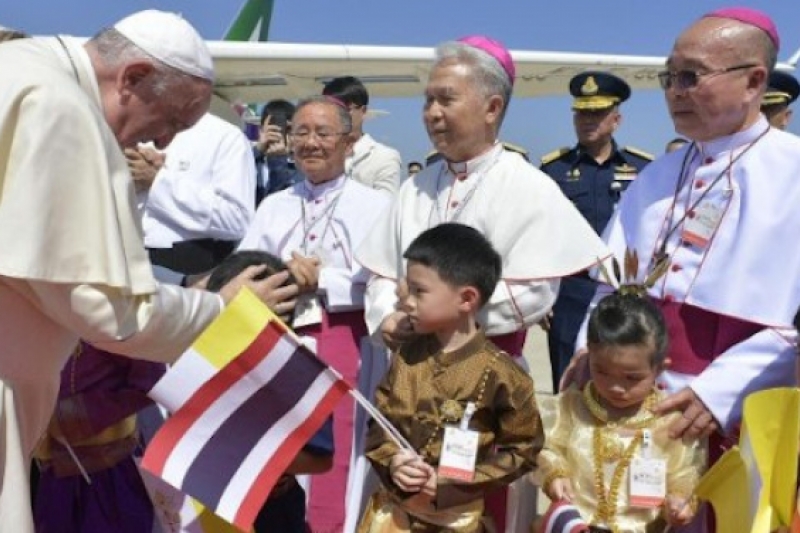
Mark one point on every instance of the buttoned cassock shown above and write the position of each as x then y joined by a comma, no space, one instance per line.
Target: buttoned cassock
729,304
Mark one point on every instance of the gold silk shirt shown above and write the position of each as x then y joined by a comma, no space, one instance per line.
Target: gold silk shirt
569,429
417,396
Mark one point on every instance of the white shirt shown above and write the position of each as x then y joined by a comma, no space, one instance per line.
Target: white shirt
375,165
206,188
537,231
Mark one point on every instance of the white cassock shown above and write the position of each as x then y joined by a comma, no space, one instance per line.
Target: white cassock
206,188
740,264
329,221
73,265
539,234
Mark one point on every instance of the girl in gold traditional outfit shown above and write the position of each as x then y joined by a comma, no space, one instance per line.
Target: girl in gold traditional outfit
603,437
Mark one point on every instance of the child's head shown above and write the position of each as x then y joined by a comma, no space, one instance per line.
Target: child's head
234,264
627,341
452,271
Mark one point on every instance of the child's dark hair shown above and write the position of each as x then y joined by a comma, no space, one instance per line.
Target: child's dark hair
624,320
797,319
234,264
460,255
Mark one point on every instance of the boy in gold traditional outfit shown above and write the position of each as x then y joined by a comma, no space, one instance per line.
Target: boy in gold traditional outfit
606,452
465,407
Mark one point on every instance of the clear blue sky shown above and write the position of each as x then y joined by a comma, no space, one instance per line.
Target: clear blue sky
641,27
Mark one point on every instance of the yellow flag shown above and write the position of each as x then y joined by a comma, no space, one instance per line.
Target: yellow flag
771,429
725,487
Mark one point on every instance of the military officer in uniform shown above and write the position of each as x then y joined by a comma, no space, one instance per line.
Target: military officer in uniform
593,174
782,90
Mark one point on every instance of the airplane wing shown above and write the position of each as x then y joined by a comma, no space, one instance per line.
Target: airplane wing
249,72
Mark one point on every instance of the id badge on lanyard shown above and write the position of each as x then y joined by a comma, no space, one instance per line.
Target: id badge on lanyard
647,476
459,449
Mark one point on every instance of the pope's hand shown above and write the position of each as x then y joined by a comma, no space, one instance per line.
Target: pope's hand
696,419
280,299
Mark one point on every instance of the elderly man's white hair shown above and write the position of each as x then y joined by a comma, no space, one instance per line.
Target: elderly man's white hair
490,77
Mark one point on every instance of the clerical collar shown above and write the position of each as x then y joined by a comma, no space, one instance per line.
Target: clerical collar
314,191
712,149
463,169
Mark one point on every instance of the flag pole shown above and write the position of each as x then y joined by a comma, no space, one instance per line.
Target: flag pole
376,415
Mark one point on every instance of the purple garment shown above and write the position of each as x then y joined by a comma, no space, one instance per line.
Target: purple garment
98,390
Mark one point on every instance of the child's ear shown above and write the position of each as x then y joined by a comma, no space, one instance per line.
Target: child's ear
470,299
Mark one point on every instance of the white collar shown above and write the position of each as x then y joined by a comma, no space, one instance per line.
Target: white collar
466,168
713,149
312,191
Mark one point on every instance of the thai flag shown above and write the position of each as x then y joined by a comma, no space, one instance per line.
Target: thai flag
245,399
563,517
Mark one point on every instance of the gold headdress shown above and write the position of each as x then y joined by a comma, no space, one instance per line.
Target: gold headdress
630,286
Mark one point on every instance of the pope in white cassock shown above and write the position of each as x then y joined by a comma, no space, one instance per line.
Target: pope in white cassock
73,265
537,231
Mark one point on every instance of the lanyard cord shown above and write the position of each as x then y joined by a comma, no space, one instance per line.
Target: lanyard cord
327,215
672,227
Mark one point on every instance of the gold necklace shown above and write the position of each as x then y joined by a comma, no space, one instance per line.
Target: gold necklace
607,501
613,447
642,419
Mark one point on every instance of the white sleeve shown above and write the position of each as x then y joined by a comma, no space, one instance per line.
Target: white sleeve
515,305
220,209
157,327
343,288
764,361
380,301
387,174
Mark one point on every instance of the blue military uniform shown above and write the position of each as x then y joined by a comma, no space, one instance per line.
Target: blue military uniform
594,188
782,89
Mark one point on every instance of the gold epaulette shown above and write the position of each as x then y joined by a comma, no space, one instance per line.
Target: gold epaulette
552,156
516,149
640,153
431,157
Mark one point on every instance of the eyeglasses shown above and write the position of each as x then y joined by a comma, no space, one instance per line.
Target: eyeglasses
689,79
303,136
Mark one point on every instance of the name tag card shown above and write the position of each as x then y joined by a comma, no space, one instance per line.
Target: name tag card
699,229
648,482
307,311
459,451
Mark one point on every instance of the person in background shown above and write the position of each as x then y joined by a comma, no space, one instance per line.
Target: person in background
371,163
414,168
449,376
782,91
202,199
593,175
275,168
